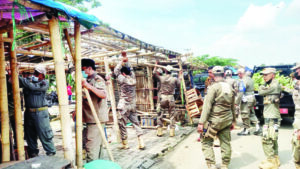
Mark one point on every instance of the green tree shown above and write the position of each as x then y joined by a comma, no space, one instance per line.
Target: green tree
213,61
82,4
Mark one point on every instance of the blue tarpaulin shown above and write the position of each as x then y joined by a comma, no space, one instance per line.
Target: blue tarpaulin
84,19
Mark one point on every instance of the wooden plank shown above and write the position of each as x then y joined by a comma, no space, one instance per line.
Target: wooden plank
38,46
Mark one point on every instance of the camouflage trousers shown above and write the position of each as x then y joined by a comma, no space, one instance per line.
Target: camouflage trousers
296,149
246,108
270,137
166,102
253,118
92,141
224,136
127,112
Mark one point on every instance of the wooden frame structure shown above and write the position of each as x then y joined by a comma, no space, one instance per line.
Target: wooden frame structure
102,43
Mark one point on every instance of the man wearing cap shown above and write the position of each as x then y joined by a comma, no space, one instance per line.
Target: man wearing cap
271,93
296,124
167,101
245,100
217,118
36,116
228,78
95,84
210,79
127,102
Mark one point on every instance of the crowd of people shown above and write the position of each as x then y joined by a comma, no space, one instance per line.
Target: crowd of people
225,99
226,96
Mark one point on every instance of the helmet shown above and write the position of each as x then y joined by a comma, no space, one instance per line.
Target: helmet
241,70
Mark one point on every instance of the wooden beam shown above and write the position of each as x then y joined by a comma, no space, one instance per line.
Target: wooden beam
27,36
61,87
78,77
67,37
114,53
5,39
35,52
17,101
150,86
38,46
112,100
30,43
4,108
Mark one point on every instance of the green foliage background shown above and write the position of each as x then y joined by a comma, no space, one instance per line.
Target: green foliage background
283,80
211,61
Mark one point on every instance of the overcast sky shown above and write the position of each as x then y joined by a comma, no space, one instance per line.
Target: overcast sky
253,31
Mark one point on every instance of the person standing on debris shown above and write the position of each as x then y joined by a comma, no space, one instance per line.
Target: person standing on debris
97,90
271,93
127,102
167,90
36,115
217,119
245,101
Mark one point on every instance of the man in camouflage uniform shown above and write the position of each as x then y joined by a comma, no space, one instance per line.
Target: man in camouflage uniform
97,90
228,78
36,115
159,72
167,90
217,118
296,124
271,93
127,102
245,100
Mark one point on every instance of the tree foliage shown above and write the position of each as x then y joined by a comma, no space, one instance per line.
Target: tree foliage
82,4
213,61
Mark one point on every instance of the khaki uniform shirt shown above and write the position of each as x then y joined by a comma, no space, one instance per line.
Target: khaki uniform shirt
271,95
232,82
296,98
167,84
219,105
127,84
100,104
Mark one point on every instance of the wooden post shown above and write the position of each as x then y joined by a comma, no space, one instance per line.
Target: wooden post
98,123
78,89
70,43
150,86
17,102
4,107
61,87
112,101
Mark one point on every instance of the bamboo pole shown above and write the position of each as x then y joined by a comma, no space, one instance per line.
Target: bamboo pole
98,123
78,85
35,52
4,39
70,43
114,53
61,89
17,102
150,86
112,101
4,107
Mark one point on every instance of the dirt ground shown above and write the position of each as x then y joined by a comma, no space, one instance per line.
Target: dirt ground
247,152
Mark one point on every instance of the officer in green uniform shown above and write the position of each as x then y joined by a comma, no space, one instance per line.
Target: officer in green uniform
296,124
36,115
95,84
217,118
271,93
245,100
